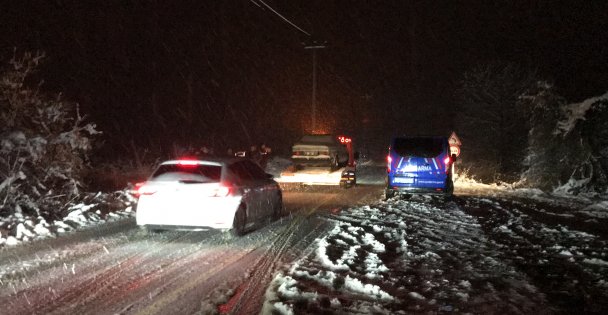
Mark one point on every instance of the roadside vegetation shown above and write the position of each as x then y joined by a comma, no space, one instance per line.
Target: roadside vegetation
517,129
45,146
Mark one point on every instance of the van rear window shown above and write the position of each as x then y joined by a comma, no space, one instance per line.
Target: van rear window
419,147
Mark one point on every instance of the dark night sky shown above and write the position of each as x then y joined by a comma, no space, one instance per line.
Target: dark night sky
232,73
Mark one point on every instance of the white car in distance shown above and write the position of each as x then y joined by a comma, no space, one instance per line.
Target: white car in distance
211,193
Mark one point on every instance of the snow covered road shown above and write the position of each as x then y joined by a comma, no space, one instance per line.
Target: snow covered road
333,251
118,269
482,255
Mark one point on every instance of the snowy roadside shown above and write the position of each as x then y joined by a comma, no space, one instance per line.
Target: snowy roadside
593,207
402,256
100,208
426,255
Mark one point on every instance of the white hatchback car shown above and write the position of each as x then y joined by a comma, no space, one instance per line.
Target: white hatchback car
209,193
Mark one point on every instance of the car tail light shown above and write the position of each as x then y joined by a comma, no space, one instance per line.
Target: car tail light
145,190
221,191
389,161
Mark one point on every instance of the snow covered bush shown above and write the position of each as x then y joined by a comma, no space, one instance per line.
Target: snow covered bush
548,159
44,143
567,143
587,122
491,122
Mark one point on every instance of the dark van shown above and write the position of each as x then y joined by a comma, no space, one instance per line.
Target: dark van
419,164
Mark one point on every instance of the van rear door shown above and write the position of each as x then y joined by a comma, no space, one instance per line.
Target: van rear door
419,161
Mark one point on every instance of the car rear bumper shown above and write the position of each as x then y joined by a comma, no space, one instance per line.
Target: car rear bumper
215,214
312,161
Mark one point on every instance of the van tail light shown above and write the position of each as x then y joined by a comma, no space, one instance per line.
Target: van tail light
221,191
447,161
389,161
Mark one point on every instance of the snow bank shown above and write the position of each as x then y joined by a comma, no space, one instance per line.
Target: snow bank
19,228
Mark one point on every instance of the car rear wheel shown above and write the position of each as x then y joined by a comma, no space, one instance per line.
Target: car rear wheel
334,164
240,220
278,208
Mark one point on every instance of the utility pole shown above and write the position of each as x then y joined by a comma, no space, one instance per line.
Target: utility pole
314,48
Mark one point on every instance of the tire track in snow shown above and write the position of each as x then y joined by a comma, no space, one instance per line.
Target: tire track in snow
251,299
84,284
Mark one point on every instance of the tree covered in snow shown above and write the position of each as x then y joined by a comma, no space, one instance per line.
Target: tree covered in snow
548,158
587,122
491,121
567,143
44,143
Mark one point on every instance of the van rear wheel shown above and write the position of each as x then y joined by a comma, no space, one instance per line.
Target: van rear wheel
449,190
388,194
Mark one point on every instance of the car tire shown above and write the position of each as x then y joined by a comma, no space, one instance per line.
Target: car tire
278,209
240,220
334,164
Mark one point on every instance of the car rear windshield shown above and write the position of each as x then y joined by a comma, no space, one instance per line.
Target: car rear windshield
420,147
196,173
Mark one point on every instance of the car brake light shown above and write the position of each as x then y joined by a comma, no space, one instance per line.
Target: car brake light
389,159
145,190
187,162
221,191
446,161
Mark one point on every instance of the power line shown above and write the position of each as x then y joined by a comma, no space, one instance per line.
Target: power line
279,15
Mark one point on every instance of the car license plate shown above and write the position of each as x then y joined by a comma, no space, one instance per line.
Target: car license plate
404,180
